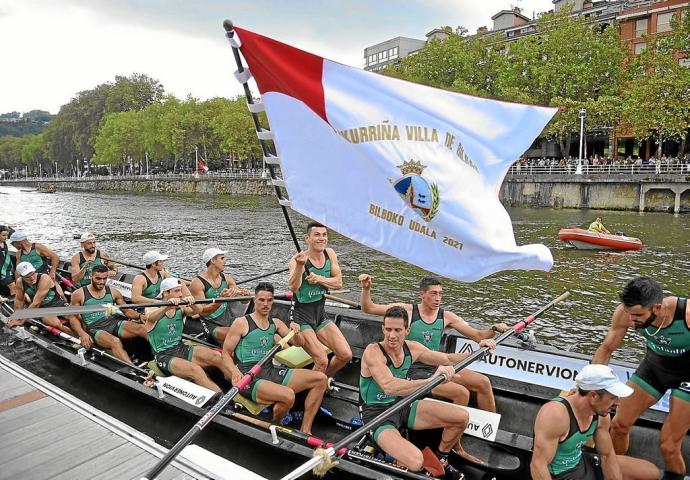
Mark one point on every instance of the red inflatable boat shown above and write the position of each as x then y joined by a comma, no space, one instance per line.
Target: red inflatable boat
586,240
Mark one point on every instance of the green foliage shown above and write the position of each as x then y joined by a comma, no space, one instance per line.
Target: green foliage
18,125
120,122
657,100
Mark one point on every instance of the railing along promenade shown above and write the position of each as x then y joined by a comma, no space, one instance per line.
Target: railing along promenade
673,169
158,176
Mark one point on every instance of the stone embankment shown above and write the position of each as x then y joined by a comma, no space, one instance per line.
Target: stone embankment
661,193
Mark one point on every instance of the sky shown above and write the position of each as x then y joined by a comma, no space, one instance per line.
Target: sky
50,51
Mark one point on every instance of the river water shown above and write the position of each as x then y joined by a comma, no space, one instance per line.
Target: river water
253,231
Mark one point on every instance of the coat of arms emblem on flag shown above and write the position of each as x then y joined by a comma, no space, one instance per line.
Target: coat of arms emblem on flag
416,191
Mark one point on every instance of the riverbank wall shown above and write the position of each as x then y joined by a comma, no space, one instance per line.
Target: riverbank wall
240,185
652,193
658,193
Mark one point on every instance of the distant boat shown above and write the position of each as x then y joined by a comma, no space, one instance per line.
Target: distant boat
34,190
586,240
48,189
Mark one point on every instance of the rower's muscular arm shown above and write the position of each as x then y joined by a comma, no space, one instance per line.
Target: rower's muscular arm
296,271
77,273
76,300
368,305
138,288
196,288
549,427
128,312
609,461
43,286
238,328
374,363
614,337
19,296
335,281
47,252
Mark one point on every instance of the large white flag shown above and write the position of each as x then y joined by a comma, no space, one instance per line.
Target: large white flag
406,169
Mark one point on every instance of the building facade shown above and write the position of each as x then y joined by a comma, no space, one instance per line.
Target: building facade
379,56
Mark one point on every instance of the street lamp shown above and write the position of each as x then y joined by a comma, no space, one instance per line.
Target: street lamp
582,115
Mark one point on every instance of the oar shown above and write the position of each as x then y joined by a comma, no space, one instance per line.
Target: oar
342,300
325,455
216,409
263,275
310,440
103,353
112,309
138,267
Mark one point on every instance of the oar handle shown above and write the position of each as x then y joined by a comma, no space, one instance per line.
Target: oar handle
423,390
286,295
127,264
215,410
342,300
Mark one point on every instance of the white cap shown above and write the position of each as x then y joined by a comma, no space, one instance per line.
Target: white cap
86,236
153,256
17,236
168,284
25,268
601,377
209,253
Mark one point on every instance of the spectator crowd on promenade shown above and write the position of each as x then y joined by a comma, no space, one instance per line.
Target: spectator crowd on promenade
601,164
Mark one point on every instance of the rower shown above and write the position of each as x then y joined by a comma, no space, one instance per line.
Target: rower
597,227
34,253
310,283
41,292
84,261
213,283
248,340
146,286
429,321
384,378
7,287
164,326
664,322
99,327
564,425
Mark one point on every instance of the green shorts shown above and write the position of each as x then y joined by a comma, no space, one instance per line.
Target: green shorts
404,418
164,358
111,325
656,374
309,316
280,375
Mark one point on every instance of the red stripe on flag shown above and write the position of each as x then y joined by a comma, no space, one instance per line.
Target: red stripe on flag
278,67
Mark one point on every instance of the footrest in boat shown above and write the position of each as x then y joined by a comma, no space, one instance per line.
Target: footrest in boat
250,405
153,366
296,357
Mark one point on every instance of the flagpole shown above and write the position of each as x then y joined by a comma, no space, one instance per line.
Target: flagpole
265,147
196,165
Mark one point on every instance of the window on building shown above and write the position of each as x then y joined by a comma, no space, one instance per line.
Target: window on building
663,22
639,48
384,54
641,27
395,51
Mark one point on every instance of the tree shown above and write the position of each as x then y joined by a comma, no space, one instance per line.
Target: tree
120,139
657,99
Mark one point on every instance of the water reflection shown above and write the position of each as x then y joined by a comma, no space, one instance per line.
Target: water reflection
253,231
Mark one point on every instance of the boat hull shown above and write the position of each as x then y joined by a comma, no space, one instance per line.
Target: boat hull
586,240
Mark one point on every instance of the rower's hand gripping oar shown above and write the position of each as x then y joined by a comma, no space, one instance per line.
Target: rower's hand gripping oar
323,461
113,309
216,409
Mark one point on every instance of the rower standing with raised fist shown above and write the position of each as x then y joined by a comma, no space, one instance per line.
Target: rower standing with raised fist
313,273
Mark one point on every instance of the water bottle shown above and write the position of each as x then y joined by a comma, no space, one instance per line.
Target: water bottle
81,352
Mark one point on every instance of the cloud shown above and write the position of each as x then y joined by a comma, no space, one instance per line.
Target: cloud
53,50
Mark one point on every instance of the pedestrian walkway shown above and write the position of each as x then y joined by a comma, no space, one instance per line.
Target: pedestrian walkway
47,433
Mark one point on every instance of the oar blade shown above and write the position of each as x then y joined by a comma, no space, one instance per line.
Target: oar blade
57,311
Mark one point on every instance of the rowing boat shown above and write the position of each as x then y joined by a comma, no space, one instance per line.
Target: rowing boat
586,240
524,375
